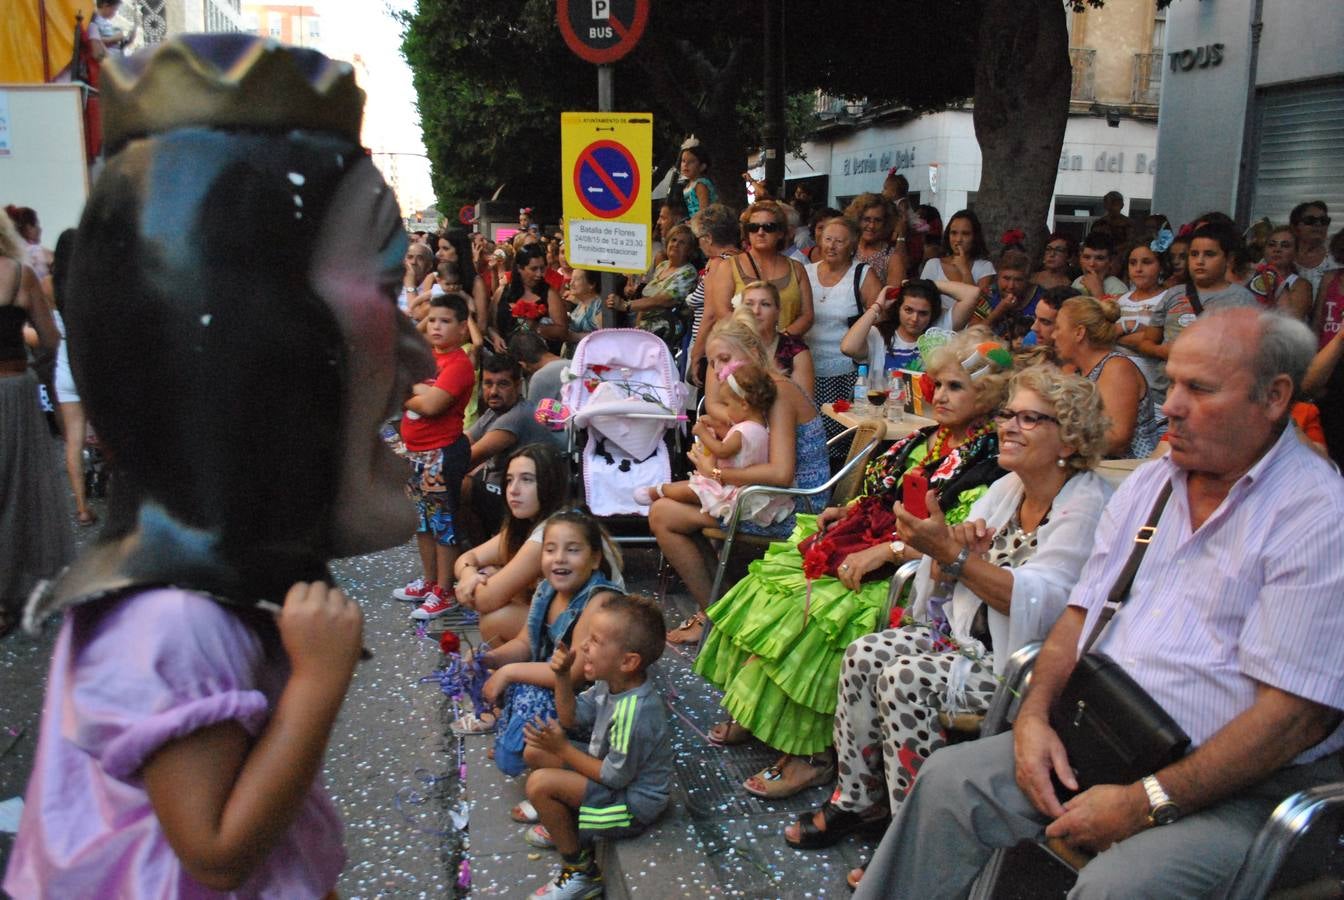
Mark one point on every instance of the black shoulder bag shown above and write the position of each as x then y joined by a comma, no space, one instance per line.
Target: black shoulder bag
858,293
1113,731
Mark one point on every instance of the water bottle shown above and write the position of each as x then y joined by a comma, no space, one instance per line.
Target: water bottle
860,402
895,397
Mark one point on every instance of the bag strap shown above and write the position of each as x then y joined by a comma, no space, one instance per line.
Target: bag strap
1120,590
858,282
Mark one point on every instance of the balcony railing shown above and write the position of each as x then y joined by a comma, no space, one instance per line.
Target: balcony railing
1084,74
1147,88
223,15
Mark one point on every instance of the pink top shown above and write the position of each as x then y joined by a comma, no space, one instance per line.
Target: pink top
126,680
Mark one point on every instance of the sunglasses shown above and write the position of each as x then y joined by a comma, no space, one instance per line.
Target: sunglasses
1027,420
767,227
1315,220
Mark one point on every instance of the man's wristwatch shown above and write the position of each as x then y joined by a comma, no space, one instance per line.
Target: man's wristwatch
953,569
1161,809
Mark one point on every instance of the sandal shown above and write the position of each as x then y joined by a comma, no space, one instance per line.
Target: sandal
524,814
688,632
770,784
726,734
469,723
839,824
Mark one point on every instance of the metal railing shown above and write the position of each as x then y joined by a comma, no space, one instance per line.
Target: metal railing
1147,88
1084,74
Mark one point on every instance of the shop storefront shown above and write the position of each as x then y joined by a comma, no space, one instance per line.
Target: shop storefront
1251,128
939,155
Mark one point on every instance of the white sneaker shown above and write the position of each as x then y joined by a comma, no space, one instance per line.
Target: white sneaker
573,884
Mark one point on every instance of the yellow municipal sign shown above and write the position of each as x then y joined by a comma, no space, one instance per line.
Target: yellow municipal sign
605,176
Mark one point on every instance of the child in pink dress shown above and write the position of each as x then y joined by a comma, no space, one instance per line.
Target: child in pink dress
748,398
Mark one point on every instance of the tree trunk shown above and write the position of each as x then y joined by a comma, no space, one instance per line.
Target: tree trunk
1022,85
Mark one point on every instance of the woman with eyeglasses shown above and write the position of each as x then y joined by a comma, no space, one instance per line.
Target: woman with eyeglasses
1056,263
882,237
777,645
1291,292
764,232
1310,222
984,588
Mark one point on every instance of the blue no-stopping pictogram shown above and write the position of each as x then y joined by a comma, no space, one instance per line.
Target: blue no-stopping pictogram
606,179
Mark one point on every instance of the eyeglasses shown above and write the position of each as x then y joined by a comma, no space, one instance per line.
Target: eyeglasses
767,227
1027,419
1315,220
1052,248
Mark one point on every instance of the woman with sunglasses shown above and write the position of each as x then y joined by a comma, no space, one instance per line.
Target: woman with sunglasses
1310,222
764,232
984,588
1056,263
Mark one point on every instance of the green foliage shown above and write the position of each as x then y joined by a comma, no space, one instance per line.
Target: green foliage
493,78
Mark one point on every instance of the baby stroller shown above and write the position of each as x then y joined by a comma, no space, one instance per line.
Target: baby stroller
623,390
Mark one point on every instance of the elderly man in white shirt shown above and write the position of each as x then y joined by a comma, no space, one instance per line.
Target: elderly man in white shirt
1234,625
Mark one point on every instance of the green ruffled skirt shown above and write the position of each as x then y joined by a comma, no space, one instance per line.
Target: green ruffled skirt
778,672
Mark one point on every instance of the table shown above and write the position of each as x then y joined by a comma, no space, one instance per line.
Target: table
895,430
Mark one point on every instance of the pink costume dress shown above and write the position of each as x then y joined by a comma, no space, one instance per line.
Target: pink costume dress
717,499
128,677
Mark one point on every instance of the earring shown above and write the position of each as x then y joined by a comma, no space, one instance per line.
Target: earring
1060,462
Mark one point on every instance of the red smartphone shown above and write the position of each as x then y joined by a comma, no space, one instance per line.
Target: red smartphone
914,490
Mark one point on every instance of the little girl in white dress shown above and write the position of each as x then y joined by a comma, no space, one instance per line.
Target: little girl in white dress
750,394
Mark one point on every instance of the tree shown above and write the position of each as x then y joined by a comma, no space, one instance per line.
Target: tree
493,78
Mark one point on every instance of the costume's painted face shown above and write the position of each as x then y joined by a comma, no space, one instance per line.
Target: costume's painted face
356,269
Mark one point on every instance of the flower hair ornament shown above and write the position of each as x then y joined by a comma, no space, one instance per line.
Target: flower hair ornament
989,357
1012,237
1163,240
1186,230
932,339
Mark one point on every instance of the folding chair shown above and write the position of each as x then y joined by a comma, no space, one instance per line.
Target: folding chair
843,486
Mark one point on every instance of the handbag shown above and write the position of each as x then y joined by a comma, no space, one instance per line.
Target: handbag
858,295
1113,731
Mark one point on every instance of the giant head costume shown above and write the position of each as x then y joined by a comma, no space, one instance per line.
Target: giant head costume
233,326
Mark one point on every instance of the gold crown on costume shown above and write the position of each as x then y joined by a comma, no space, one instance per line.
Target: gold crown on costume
228,81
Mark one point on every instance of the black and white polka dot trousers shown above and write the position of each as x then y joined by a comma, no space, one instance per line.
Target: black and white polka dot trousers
892,685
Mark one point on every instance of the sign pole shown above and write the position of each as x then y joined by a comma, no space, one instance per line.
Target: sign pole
605,100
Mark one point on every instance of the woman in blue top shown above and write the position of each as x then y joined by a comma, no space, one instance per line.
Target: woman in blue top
575,575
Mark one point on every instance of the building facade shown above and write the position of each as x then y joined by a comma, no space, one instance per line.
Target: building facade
1110,142
1252,108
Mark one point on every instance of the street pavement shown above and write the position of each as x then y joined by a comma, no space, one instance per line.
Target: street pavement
393,768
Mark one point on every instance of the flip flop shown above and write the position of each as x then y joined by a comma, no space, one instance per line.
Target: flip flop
524,814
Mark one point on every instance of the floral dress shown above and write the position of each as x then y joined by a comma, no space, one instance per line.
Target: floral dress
779,638
668,323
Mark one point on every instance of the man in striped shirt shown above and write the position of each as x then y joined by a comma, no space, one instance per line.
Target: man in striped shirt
1234,624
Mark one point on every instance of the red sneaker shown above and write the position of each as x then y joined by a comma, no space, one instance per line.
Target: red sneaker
416,592
438,603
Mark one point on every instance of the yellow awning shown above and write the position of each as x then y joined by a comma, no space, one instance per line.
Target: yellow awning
22,39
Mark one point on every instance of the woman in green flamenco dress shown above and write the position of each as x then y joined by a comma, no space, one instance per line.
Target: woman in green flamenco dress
780,633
